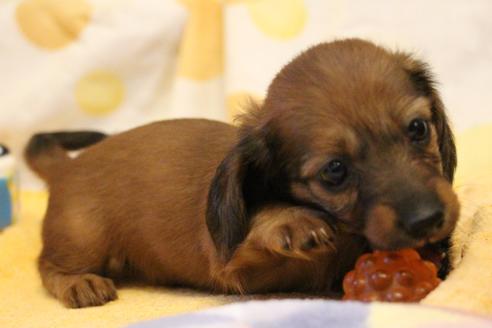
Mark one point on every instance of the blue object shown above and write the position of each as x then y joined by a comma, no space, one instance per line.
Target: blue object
320,314
271,314
5,203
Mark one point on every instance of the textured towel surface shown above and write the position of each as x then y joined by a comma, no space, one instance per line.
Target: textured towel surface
468,286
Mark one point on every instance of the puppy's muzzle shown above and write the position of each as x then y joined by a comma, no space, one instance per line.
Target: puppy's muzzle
410,212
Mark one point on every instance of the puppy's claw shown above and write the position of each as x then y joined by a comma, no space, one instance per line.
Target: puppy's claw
287,243
327,239
323,233
311,242
331,245
316,238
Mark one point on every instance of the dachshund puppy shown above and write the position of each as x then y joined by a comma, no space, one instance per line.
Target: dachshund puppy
351,146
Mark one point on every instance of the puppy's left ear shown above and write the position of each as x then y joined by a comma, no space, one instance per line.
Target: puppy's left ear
240,182
423,82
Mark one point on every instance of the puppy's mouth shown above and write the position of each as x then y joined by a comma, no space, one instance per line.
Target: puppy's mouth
399,239
433,247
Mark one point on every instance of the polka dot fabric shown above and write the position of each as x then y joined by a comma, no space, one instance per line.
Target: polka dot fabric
52,24
261,36
99,93
85,64
201,49
115,64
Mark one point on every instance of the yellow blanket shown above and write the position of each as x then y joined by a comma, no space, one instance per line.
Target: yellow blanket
24,302
468,286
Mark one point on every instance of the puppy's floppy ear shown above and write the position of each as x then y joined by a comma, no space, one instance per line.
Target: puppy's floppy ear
423,82
240,179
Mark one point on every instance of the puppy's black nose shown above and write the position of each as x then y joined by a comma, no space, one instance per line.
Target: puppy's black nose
424,220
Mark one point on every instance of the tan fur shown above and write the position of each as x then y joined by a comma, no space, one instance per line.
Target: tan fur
204,204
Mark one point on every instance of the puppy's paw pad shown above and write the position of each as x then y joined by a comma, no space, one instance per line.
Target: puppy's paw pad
89,290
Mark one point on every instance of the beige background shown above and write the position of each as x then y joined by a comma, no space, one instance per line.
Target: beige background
115,64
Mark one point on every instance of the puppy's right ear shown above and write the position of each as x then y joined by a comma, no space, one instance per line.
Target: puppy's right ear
234,188
421,78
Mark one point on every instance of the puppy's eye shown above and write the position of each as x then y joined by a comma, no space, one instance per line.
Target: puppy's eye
334,173
418,130
3,150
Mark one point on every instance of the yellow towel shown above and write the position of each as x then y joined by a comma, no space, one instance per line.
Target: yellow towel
467,287
24,302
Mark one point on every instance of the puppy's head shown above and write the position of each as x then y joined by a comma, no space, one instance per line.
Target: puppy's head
354,130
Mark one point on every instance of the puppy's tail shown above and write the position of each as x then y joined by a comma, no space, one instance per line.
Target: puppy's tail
45,152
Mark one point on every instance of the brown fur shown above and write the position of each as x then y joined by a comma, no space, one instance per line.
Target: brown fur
204,204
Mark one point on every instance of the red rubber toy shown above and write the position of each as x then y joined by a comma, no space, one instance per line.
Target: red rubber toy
398,276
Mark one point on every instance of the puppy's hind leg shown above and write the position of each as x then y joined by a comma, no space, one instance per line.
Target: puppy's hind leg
76,290
74,256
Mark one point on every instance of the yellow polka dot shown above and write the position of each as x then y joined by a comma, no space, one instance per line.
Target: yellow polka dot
200,55
238,103
52,24
99,92
279,19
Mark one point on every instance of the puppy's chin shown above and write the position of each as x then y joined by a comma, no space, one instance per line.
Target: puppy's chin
391,244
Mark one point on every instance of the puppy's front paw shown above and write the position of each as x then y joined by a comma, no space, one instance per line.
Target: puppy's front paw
300,236
89,290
